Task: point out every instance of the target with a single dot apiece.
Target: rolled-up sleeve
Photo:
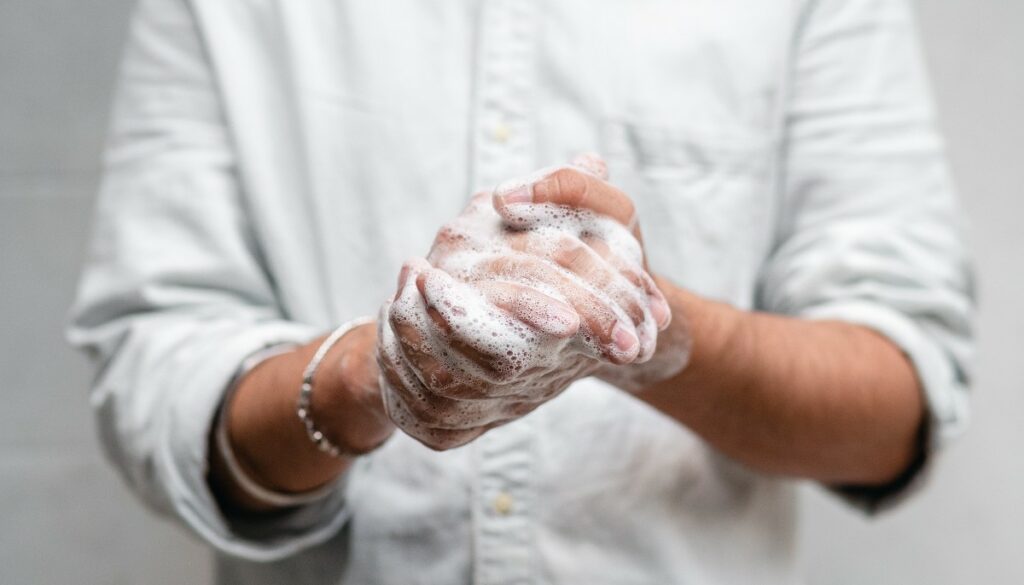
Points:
(175, 294)
(871, 231)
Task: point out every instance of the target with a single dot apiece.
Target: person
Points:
(762, 281)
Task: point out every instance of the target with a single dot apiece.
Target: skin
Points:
(827, 401)
(448, 386)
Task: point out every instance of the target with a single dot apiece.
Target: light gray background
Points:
(66, 518)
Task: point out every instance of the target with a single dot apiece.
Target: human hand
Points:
(512, 306)
(567, 187)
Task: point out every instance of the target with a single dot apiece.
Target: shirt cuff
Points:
(944, 393)
(182, 460)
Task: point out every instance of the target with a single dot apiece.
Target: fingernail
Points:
(625, 340)
(515, 193)
(660, 311)
(421, 284)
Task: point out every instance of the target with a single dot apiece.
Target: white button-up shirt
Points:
(273, 162)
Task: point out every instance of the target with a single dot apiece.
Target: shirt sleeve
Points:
(870, 227)
(175, 293)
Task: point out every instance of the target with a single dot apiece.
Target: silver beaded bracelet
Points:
(251, 487)
(306, 393)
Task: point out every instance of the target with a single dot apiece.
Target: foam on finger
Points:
(514, 336)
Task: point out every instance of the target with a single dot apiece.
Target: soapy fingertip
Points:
(626, 343)
(660, 311)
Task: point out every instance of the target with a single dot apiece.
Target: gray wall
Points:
(968, 526)
(65, 517)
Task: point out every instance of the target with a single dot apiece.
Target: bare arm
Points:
(269, 440)
(825, 400)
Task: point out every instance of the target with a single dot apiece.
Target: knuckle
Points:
(439, 321)
(633, 278)
(397, 321)
(504, 373)
(629, 207)
(602, 322)
(468, 389)
(569, 187)
(635, 311)
(427, 411)
(412, 353)
(402, 334)
(437, 378)
(598, 245)
(496, 370)
(518, 241)
(572, 254)
(392, 378)
(449, 235)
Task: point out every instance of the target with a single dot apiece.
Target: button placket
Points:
(503, 148)
(502, 137)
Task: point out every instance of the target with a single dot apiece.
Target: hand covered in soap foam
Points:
(515, 302)
(591, 192)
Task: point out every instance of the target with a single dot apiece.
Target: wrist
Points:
(716, 331)
(674, 352)
(347, 403)
(269, 440)
(710, 333)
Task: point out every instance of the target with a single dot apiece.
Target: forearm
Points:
(828, 401)
(270, 441)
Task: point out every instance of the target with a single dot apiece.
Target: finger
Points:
(641, 282)
(583, 260)
(419, 352)
(590, 258)
(407, 331)
(493, 346)
(410, 405)
(569, 187)
(636, 275)
(455, 371)
(423, 341)
(394, 367)
(395, 378)
(410, 424)
(441, 412)
(659, 304)
(413, 423)
(464, 230)
(410, 267)
(542, 312)
(613, 278)
(608, 334)
(442, 376)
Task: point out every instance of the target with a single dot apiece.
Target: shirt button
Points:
(503, 503)
(501, 133)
